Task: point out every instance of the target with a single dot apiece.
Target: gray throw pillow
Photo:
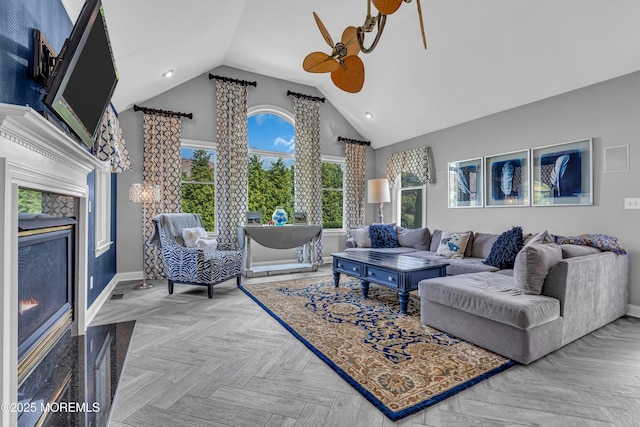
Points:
(361, 237)
(539, 239)
(532, 265)
(482, 244)
(419, 238)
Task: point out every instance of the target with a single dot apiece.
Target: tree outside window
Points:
(198, 184)
(411, 201)
(332, 194)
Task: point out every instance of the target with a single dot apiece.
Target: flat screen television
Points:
(85, 75)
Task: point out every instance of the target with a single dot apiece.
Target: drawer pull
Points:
(355, 269)
(390, 279)
(371, 273)
(339, 265)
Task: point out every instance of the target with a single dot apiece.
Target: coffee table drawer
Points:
(380, 275)
(348, 267)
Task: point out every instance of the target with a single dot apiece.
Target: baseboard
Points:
(102, 298)
(129, 275)
(633, 310)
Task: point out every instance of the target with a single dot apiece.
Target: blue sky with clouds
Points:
(271, 132)
(266, 132)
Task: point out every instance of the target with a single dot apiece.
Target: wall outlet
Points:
(91, 282)
(631, 203)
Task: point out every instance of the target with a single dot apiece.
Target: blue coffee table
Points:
(399, 272)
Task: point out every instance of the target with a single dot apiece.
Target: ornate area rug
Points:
(398, 364)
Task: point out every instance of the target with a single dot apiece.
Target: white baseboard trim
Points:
(633, 310)
(102, 298)
(129, 275)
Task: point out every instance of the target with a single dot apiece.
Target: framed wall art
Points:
(562, 174)
(254, 218)
(465, 183)
(300, 218)
(507, 181)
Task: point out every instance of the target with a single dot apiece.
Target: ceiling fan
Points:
(346, 68)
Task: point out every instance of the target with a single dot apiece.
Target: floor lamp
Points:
(378, 192)
(144, 193)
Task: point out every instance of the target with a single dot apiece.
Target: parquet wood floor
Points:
(196, 362)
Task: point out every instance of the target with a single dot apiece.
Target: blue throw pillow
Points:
(506, 247)
(383, 236)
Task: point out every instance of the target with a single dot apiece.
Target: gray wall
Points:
(197, 96)
(608, 112)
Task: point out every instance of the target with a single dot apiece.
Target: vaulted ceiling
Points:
(483, 56)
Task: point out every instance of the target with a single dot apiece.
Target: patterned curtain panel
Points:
(416, 161)
(308, 169)
(162, 166)
(232, 177)
(355, 163)
(110, 145)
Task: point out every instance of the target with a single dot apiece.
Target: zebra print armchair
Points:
(192, 266)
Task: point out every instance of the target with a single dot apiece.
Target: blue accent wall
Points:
(18, 19)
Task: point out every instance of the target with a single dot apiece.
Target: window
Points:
(411, 202)
(332, 193)
(102, 209)
(198, 180)
(271, 162)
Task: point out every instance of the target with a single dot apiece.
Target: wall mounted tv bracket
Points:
(44, 58)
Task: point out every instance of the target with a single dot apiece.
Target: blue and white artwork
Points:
(562, 173)
(506, 179)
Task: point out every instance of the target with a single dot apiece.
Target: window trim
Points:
(326, 158)
(198, 144)
(396, 197)
(102, 209)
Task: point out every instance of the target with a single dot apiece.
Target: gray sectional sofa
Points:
(555, 294)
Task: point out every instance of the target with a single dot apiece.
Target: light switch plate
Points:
(631, 203)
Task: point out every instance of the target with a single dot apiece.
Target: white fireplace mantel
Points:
(36, 154)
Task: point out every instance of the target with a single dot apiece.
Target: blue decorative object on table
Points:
(280, 216)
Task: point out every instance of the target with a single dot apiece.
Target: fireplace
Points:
(35, 154)
(45, 286)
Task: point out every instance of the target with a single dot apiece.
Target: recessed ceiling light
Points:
(167, 73)
(368, 115)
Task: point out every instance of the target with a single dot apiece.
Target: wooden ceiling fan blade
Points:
(323, 31)
(350, 40)
(387, 7)
(319, 62)
(424, 38)
(350, 75)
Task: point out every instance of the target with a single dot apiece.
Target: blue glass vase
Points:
(279, 216)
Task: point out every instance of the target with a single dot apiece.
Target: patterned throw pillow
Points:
(505, 249)
(453, 245)
(383, 236)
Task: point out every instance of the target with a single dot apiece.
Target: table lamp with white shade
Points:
(378, 192)
(144, 193)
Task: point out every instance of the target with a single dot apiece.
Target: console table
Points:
(398, 272)
(280, 237)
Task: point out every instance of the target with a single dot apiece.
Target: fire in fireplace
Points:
(45, 283)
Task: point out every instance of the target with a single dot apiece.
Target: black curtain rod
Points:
(162, 112)
(309, 97)
(230, 80)
(354, 141)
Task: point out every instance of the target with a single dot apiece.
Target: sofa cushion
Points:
(361, 237)
(453, 245)
(419, 238)
(539, 238)
(383, 236)
(505, 249)
(398, 251)
(456, 266)
(482, 243)
(492, 296)
(532, 266)
(570, 251)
